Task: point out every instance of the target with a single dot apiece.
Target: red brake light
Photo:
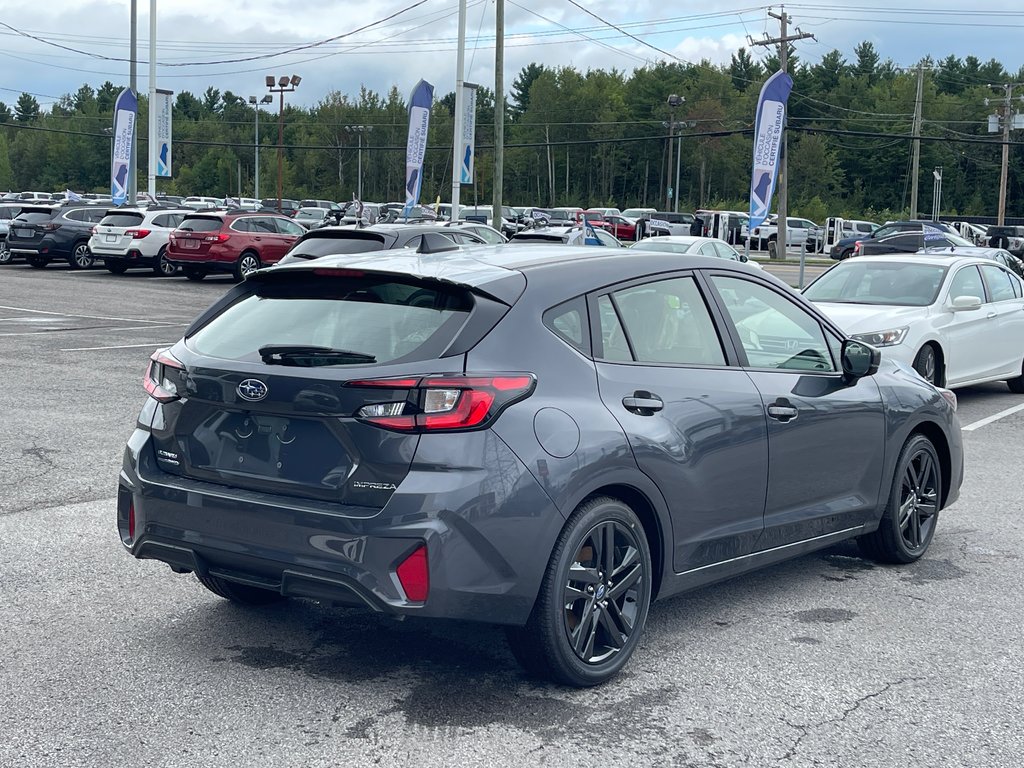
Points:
(137, 234)
(443, 403)
(856, 247)
(414, 575)
(163, 376)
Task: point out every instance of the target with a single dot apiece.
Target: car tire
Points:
(927, 363)
(912, 510)
(164, 268)
(5, 252)
(81, 257)
(243, 594)
(37, 262)
(193, 273)
(247, 263)
(584, 627)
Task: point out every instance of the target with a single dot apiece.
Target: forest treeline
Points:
(572, 138)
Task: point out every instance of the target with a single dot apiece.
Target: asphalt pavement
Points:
(108, 661)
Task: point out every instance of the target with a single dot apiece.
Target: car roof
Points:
(936, 259)
(681, 239)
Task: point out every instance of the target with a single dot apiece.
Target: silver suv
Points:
(131, 238)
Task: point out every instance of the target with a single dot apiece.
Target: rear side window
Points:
(122, 220)
(568, 322)
(386, 318)
(200, 224)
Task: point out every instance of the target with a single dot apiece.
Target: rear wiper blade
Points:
(294, 354)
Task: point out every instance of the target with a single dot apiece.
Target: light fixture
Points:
(282, 81)
(270, 81)
(252, 99)
(266, 99)
(296, 80)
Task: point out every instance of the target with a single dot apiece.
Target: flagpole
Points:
(153, 148)
(460, 67)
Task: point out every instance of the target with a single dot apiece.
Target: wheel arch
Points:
(937, 437)
(650, 518)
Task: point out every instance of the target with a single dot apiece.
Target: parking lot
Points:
(108, 661)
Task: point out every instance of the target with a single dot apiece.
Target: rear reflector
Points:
(414, 575)
(436, 403)
(131, 521)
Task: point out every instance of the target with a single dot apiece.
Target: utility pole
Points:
(783, 41)
(499, 111)
(674, 101)
(1010, 122)
(133, 83)
(915, 165)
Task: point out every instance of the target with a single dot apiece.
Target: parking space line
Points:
(154, 345)
(97, 328)
(86, 317)
(994, 417)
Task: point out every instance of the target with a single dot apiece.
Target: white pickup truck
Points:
(768, 231)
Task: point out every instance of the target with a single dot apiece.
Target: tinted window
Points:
(568, 321)
(315, 247)
(386, 318)
(288, 227)
(34, 218)
(668, 322)
(998, 282)
(966, 282)
(889, 283)
(774, 332)
(613, 339)
(242, 225)
(708, 249)
(122, 220)
(201, 224)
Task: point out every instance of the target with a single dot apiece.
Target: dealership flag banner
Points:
(125, 110)
(163, 133)
(771, 119)
(416, 148)
(468, 132)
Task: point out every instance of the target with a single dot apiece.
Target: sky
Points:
(385, 43)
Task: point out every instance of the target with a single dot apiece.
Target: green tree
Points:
(27, 109)
(520, 99)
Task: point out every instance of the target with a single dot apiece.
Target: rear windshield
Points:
(34, 218)
(200, 224)
(388, 318)
(315, 247)
(122, 220)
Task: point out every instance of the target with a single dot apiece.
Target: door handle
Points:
(782, 410)
(643, 403)
(991, 315)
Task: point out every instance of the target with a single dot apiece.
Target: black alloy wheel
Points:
(163, 267)
(926, 363)
(910, 518)
(593, 602)
(5, 252)
(81, 256)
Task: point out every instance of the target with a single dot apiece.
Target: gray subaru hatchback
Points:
(542, 437)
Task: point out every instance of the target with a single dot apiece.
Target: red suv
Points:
(237, 242)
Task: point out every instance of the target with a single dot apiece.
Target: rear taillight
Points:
(50, 227)
(219, 238)
(443, 403)
(163, 377)
(414, 575)
(92, 231)
(137, 234)
(856, 247)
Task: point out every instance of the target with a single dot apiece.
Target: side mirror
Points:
(859, 359)
(965, 303)
(744, 259)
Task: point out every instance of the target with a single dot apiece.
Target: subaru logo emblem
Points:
(252, 390)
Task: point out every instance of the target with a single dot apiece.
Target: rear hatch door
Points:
(196, 234)
(114, 232)
(260, 410)
(30, 226)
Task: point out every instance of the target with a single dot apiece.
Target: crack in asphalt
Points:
(806, 729)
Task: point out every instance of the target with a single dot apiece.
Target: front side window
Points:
(774, 332)
(665, 322)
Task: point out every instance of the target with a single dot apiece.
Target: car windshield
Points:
(889, 283)
(315, 212)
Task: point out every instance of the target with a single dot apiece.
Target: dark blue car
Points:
(542, 437)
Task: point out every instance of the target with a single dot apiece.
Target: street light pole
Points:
(284, 84)
(256, 143)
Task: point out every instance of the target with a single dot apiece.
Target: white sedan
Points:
(957, 320)
(703, 246)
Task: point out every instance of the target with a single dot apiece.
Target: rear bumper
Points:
(489, 531)
(210, 261)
